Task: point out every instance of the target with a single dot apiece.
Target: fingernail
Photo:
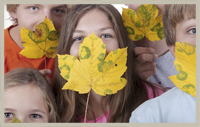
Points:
(156, 56)
(152, 50)
(49, 71)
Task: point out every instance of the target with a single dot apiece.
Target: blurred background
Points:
(7, 21)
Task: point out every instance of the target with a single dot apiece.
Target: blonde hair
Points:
(174, 14)
(22, 76)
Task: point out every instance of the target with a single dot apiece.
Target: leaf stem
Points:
(45, 61)
(147, 42)
(45, 53)
(86, 107)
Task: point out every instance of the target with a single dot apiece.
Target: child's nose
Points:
(48, 15)
(22, 118)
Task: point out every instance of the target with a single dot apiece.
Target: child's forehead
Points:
(29, 95)
(21, 86)
(30, 89)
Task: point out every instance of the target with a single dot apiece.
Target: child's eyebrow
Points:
(60, 6)
(78, 31)
(101, 29)
(38, 110)
(105, 28)
(9, 109)
(36, 4)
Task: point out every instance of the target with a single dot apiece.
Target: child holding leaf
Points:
(154, 60)
(91, 33)
(28, 97)
(177, 105)
(28, 16)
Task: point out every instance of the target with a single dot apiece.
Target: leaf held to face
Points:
(41, 42)
(185, 64)
(144, 22)
(15, 120)
(94, 72)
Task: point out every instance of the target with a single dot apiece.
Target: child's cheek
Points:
(75, 50)
(111, 47)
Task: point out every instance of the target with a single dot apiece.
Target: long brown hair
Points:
(23, 76)
(71, 105)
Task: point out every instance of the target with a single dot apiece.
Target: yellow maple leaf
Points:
(185, 64)
(92, 71)
(41, 42)
(143, 23)
(15, 120)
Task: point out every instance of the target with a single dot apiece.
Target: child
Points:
(158, 71)
(28, 16)
(104, 21)
(28, 96)
(174, 106)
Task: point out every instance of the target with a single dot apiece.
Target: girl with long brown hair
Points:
(106, 23)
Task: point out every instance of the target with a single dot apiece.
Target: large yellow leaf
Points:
(15, 120)
(92, 71)
(41, 42)
(143, 23)
(185, 64)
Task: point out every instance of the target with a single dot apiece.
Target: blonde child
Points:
(28, 16)
(104, 21)
(174, 106)
(28, 96)
(155, 63)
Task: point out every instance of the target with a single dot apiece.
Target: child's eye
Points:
(8, 115)
(78, 39)
(35, 116)
(33, 8)
(106, 36)
(192, 31)
(59, 11)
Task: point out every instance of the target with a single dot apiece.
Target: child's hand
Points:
(145, 65)
(46, 72)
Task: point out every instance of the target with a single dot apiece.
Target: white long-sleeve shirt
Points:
(173, 106)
